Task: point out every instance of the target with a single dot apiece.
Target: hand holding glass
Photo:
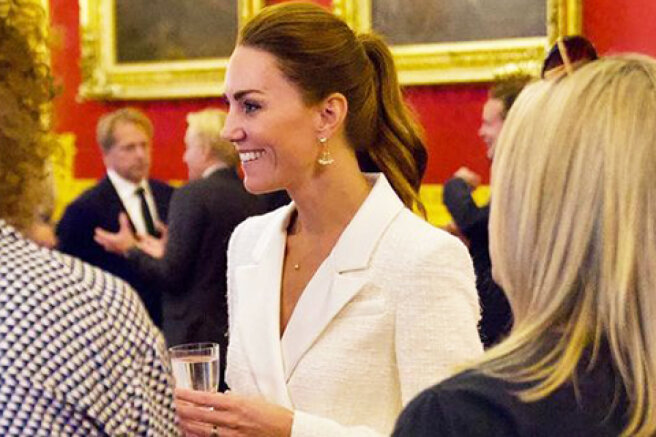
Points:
(196, 366)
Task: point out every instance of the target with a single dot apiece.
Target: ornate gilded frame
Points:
(104, 78)
(478, 61)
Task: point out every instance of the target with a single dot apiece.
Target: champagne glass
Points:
(196, 366)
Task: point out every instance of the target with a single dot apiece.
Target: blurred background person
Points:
(344, 304)
(42, 229)
(125, 138)
(189, 266)
(42, 232)
(79, 356)
(573, 244)
(471, 221)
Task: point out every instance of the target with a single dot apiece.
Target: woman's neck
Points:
(327, 204)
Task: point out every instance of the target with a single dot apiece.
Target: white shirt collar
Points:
(212, 168)
(126, 191)
(124, 187)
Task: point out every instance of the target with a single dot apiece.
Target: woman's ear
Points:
(331, 115)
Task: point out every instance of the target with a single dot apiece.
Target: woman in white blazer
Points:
(344, 304)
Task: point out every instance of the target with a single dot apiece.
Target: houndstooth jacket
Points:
(78, 354)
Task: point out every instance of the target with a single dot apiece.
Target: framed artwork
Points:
(448, 41)
(150, 49)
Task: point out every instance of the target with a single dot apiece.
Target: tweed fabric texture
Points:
(411, 320)
(79, 355)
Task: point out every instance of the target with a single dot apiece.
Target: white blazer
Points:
(387, 314)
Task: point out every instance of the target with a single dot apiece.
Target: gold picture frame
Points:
(472, 61)
(106, 79)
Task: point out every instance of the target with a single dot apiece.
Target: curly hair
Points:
(26, 89)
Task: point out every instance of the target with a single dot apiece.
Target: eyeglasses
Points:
(567, 54)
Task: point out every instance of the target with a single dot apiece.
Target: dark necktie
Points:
(145, 212)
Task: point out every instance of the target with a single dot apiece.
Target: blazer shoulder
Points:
(220, 196)
(188, 189)
(413, 231)
(159, 184)
(466, 404)
(191, 202)
(228, 182)
(414, 245)
(160, 188)
(209, 184)
(424, 248)
(101, 192)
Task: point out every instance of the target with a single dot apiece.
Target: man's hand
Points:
(117, 242)
(453, 229)
(152, 246)
(472, 179)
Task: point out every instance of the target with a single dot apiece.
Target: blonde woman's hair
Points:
(207, 124)
(26, 91)
(573, 232)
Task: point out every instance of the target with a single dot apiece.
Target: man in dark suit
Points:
(471, 220)
(189, 262)
(125, 139)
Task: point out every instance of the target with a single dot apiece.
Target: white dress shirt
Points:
(127, 192)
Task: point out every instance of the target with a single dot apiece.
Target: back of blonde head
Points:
(207, 124)
(573, 230)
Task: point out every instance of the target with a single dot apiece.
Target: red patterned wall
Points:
(450, 114)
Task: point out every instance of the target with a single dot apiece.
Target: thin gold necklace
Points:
(293, 229)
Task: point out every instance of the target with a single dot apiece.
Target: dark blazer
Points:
(99, 207)
(496, 316)
(192, 273)
(472, 404)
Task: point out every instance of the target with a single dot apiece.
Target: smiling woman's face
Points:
(273, 129)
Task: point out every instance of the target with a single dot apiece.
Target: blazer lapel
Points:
(325, 295)
(113, 204)
(342, 275)
(259, 310)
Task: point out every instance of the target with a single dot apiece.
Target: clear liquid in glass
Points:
(196, 372)
(196, 366)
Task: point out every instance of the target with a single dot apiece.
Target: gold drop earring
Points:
(326, 158)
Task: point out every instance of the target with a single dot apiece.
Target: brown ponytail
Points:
(319, 53)
(398, 149)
